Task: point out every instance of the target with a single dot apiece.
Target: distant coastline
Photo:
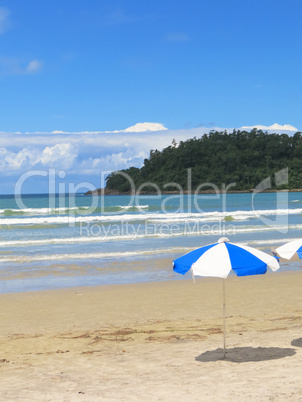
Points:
(104, 191)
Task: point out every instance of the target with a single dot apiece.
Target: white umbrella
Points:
(219, 259)
(290, 249)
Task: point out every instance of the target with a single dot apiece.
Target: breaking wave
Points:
(73, 211)
(140, 232)
(149, 217)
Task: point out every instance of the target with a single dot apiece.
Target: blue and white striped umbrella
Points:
(219, 259)
(290, 249)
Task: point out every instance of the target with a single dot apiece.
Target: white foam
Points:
(272, 241)
(42, 211)
(81, 256)
(153, 232)
(165, 218)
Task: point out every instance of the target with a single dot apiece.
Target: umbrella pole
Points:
(223, 286)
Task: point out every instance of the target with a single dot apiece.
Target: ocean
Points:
(55, 241)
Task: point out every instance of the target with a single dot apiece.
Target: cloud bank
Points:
(274, 127)
(85, 155)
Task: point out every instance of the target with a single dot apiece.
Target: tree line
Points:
(241, 157)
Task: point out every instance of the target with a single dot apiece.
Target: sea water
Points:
(52, 241)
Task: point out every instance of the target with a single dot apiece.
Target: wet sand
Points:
(155, 341)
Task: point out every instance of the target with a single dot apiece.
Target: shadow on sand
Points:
(246, 354)
(297, 342)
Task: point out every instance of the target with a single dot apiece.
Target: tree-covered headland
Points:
(244, 158)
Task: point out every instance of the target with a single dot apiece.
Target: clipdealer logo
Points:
(185, 200)
(131, 231)
(280, 222)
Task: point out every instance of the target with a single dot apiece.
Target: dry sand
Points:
(155, 342)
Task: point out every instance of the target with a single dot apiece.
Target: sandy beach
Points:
(155, 342)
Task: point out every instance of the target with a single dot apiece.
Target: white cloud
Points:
(33, 66)
(273, 127)
(88, 153)
(61, 154)
(4, 19)
(13, 66)
(114, 161)
(136, 128)
(14, 161)
(141, 127)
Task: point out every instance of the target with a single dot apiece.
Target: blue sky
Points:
(77, 66)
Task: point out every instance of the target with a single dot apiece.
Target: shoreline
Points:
(119, 304)
(101, 191)
(104, 191)
(145, 288)
(56, 276)
(161, 272)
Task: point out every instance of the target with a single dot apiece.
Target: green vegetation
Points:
(244, 158)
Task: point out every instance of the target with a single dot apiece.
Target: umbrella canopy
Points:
(290, 249)
(220, 258)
